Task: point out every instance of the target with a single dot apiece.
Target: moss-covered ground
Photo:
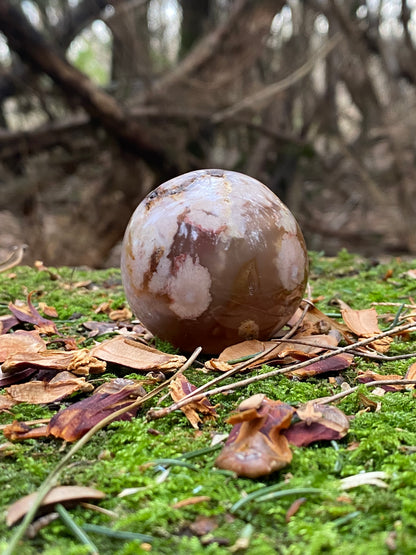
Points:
(365, 520)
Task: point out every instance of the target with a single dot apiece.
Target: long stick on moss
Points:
(52, 478)
(201, 392)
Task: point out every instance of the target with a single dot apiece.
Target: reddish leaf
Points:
(17, 431)
(179, 388)
(30, 315)
(332, 364)
(7, 322)
(256, 446)
(15, 377)
(73, 422)
(318, 422)
(370, 376)
(294, 507)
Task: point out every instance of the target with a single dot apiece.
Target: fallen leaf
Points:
(30, 315)
(332, 364)
(179, 388)
(318, 422)
(6, 403)
(256, 446)
(411, 372)
(15, 377)
(364, 324)
(17, 431)
(73, 422)
(308, 347)
(371, 376)
(20, 341)
(80, 362)
(40, 392)
(48, 310)
(120, 315)
(61, 494)
(133, 354)
(7, 322)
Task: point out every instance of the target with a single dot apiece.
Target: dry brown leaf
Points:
(6, 403)
(364, 324)
(179, 388)
(80, 362)
(310, 346)
(62, 494)
(120, 315)
(40, 392)
(133, 354)
(256, 446)
(48, 310)
(323, 323)
(20, 341)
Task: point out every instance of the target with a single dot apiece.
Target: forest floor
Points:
(173, 494)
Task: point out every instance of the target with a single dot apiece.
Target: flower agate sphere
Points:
(211, 258)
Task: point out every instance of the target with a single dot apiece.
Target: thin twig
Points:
(51, 479)
(197, 394)
(271, 90)
(364, 354)
(342, 394)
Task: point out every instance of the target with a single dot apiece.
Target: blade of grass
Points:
(52, 478)
(75, 529)
(119, 534)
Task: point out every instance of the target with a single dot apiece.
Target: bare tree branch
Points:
(34, 49)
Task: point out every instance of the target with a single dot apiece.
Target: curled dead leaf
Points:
(371, 376)
(80, 361)
(317, 422)
(256, 446)
(179, 388)
(30, 315)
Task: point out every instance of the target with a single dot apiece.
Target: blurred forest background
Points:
(101, 101)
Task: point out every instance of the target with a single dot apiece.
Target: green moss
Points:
(365, 520)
